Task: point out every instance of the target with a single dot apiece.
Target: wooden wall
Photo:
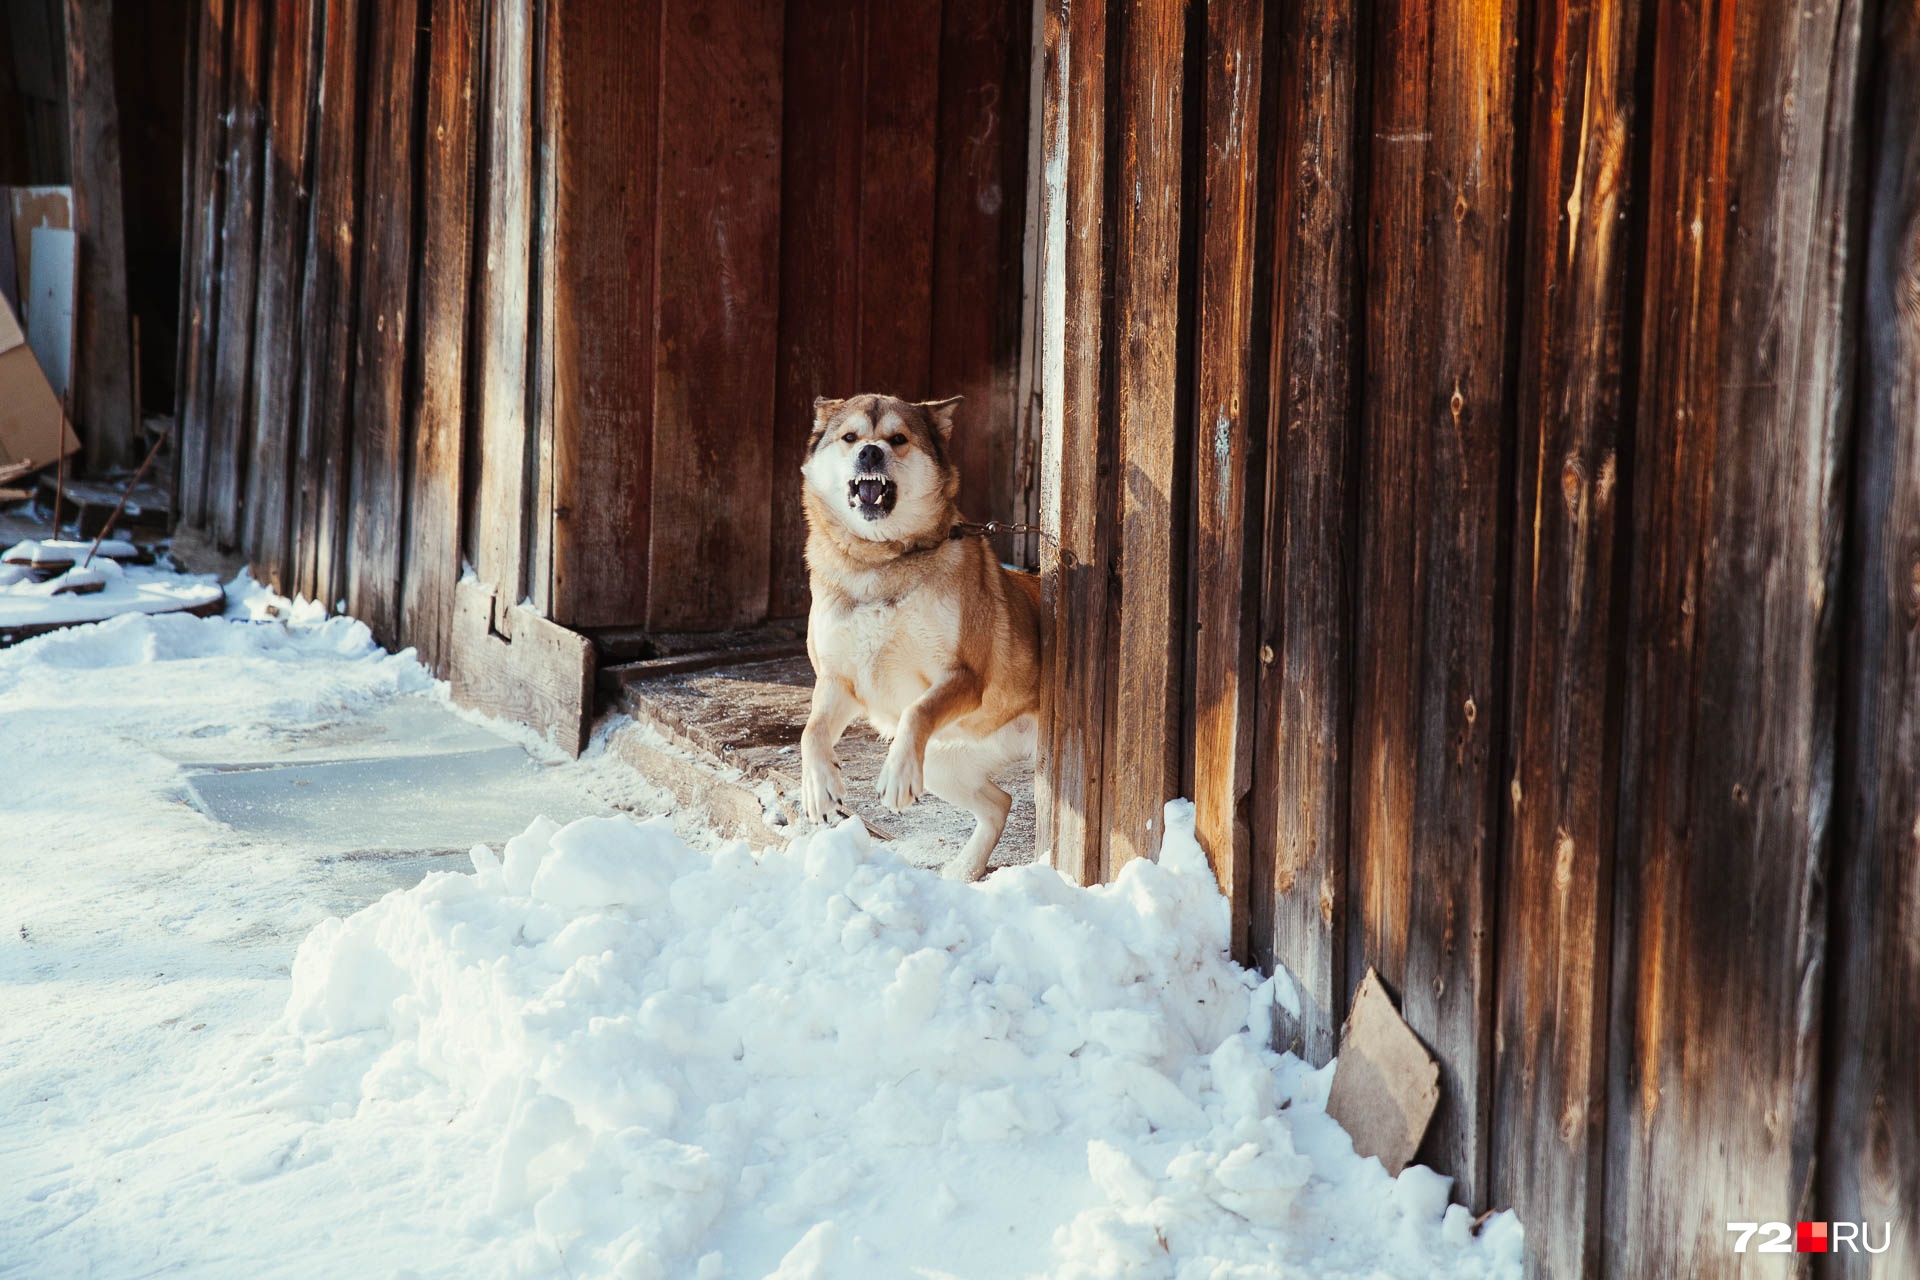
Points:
(1482, 465)
(546, 288)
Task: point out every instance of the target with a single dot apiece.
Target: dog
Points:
(915, 624)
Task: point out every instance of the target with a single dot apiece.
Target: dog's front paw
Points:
(901, 779)
(820, 790)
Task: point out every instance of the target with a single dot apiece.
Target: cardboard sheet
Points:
(33, 431)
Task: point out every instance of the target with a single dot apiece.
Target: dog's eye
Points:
(849, 438)
(898, 442)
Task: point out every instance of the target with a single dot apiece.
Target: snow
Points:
(614, 1047)
(123, 589)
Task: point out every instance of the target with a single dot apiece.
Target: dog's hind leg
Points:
(958, 775)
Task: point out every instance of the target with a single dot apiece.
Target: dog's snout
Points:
(871, 458)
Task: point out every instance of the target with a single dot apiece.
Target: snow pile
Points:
(820, 1062)
(110, 590)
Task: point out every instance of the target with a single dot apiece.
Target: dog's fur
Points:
(919, 630)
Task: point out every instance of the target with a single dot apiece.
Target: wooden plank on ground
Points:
(227, 428)
(1428, 682)
(278, 319)
(1549, 1099)
(979, 221)
(603, 118)
(1143, 736)
(511, 663)
(1728, 738)
(103, 340)
(718, 307)
(1299, 907)
(820, 186)
(1870, 1146)
(439, 393)
(1070, 775)
(385, 330)
(200, 259)
(504, 305)
(1232, 383)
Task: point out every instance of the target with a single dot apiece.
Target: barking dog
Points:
(914, 625)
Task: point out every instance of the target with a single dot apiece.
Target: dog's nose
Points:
(871, 458)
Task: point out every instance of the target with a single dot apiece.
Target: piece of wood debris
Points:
(1385, 1084)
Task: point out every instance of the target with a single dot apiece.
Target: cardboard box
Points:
(33, 431)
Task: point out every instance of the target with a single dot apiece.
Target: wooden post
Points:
(279, 321)
(1300, 910)
(1562, 763)
(1069, 783)
(1427, 682)
(1870, 1147)
(439, 392)
(1232, 382)
(104, 362)
(1143, 733)
(200, 259)
(1728, 737)
(227, 423)
(384, 331)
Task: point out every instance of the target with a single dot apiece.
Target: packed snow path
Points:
(612, 1047)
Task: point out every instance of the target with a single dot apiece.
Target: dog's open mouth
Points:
(872, 495)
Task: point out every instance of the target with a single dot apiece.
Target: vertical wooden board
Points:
(277, 321)
(200, 275)
(102, 341)
(1870, 1145)
(1069, 781)
(1231, 387)
(1143, 736)
(819, 327)
(439, 391)
(1299, 906)
(1549, 1100)
(896, 185)
(505, 307)
(329, 289)
(227, 428)
(603, 125)
(1728, 738)
(979, 219)
(1433, 504)
(718, 308)
(377, 493)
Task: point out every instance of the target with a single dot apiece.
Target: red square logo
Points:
(1812, 1237)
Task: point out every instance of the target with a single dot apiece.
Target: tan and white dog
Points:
(915, 625)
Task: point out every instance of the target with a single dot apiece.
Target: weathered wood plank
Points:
(819, 322)
(979, 219)
(1070, 778)
(1232, 382)
(200, 279)
(103, 339)
(1870, 1147)
(901, 71)
(1299, 908)
(511, 663)
(278, 320)
(329, 289)
(1143, 736)
(604, 118)
(227, 428)
(385, 330)
(504, 305)
(1549, 1100)
(718, 293)
(1728, 737)
(1427, 684)
(439, 393)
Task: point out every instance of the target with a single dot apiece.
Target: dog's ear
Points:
(941, 411)
(823, 411)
